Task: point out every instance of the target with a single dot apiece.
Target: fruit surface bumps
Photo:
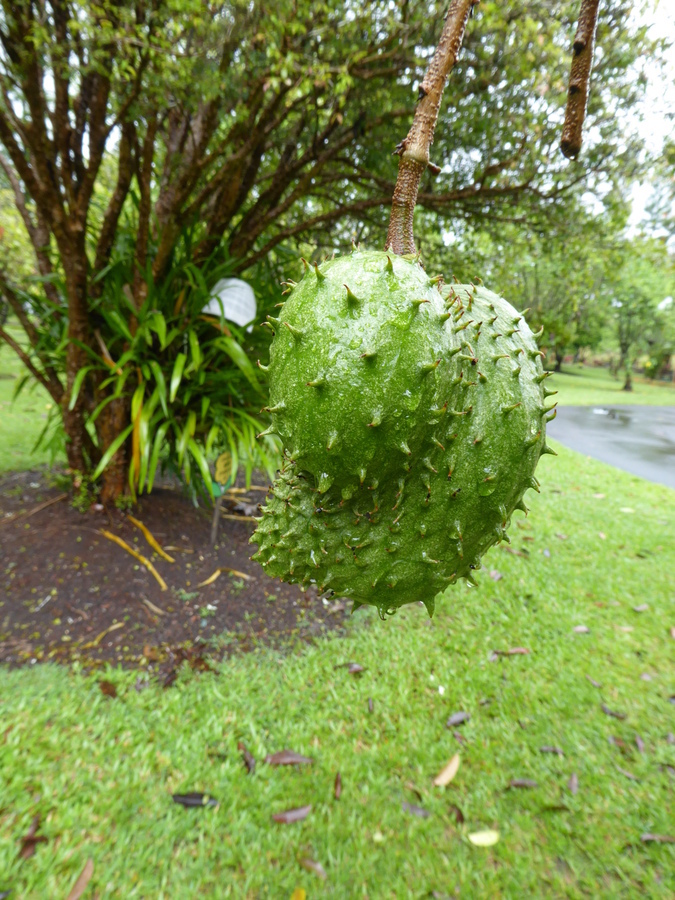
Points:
(412, 416)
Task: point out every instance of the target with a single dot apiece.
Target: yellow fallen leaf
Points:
(99, 637)
(151, 606)
(299, 894)
(239, 518)
(484, 838)
(215, 575)
(147, 534)
(146, 562)
(446, 774)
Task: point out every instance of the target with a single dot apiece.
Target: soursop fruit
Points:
(412, 416)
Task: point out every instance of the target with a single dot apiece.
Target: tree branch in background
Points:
(577, 94)
(26, 360)
(414, 149)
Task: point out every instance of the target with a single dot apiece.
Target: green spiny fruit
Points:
(412, 417)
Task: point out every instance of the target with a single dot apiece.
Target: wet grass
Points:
(593, 386)
(21, 420)
(598, 551)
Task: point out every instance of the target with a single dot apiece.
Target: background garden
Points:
(176, 724)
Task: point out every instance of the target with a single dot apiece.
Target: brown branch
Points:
(112, 214)
(577, 95)
(414, 149)
(358, 206)
(26, 360)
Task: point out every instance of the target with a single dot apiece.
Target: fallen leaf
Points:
(313, 866)
(31, 839)
(299, 894)
(194, 799)
(514, 651)
(337, 789)
(484, 838)
(108, 688)
(649, 838)
(457, 718)
(561, 537)
(522, 783)
(495, 575)
(555, 807)
(292, 815)
(99, 637)
(643, 607)
(556, 750)
(672, 632)
(610, 712)
(459, 737)
(355, 668)
(670, 738)
(602, 535)
(627, 509)
(80, 885)
(139, 556)
(581, 629)
(627, 774)
(639, 743)
(448, 772)
(150, 539)
(247, 756)
(287, 758)
(598, 496)
(370, 704)
(596, 684)
(218, 572)
(573, 783)
(458, 814)
(416, 810)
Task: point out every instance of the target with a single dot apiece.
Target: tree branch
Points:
(577, 94)
(414, 149)
(26, 360)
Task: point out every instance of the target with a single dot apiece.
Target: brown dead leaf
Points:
(313, 866)
(514, 651)
(495, 575)
(610, 712)
(292, 815)
(556, 750)
(596, 684)
(581, 629)
(522, 783)
(247, 756)
(31, 839)
(418, 811)
(448, 772)
(639, 743)
(337, 789)
(457, 814)
(573, 783)
(83, 880)
(108, 688)
(287, 758)
(458, 718)
(627, 774)
(649, 838)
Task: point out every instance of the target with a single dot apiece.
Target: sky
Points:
(659, 103)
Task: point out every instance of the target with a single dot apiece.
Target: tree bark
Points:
(577, 95)
(111, 423)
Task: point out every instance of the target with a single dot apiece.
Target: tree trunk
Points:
(110, 424)
(559, 357)
(628, 386)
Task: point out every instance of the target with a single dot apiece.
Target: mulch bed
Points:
(68, 593)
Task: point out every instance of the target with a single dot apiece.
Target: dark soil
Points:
(69, 593)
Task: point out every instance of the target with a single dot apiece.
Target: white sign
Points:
(233, 299)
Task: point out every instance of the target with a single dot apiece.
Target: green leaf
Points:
(195, 351)
(238, 356)
(111, 451)
(161, 384)
(158, 443)
(158, 324)
(176, 375)
(137, 401)
(200, 459)
(77, 385)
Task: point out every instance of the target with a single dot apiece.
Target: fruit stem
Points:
(577, 94)
(413, 151)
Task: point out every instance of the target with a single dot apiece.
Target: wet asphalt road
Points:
(638, 439)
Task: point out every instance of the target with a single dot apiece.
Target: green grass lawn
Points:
(21, 420)
(590, 386)
(598, 551)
